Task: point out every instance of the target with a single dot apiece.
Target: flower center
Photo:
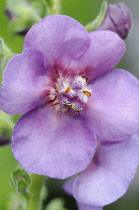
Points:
(71, 94)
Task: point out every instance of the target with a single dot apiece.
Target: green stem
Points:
(54, 7)
(34, 201)
(5, 54)
(97, 22)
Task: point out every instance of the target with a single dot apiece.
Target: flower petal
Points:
(59, 37)
(82, 206)
(105, 51)
(113, 108)
(108, 177)
(50, 144)
(23, 82)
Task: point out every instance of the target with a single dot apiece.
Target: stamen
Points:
(85, 78)
(67, 90)
(66, 104)
(77, 109)
(87, 93)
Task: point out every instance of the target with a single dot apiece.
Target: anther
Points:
(76, 109)
(67, 90)
(87, 93)
(85, 78)
(66, 104)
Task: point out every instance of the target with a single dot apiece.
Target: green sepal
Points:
(5, 54)
(99, 19)
(20, 180)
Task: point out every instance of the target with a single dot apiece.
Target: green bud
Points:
(6, 127)
(5, 54)
(23, 14)
(97, 22)
(56, 204)
(21, 181)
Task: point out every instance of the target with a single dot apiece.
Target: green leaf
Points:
(97, 22)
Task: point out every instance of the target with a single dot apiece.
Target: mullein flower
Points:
(64, 84)
(108, 176)
(118, 19)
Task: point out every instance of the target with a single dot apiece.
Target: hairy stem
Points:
(34, 201)
(54, 7)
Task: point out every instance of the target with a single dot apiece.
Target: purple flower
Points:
(64, 85)
(117, 19)
(108, 176)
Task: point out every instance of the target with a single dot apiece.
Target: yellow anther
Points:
(67, 90)
(66, 104)
(77, 109)
(87, 93)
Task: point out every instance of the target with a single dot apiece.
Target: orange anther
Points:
(85, 78)
(67, 90)
(87, 93)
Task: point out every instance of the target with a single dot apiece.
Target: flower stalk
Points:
(53, 7)
(97, 22)
(34, 202)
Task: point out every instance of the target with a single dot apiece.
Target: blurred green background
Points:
(84, 11)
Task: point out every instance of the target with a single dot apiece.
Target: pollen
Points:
(67, 90)
(87, 93)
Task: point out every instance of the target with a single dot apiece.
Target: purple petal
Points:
(113, 108)
(110, 173)
(105, 51)
(50, 144)
(82, 206)
(23, 82)
(59, 37)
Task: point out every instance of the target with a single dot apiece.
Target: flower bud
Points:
(117, 19)
(22, 15)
